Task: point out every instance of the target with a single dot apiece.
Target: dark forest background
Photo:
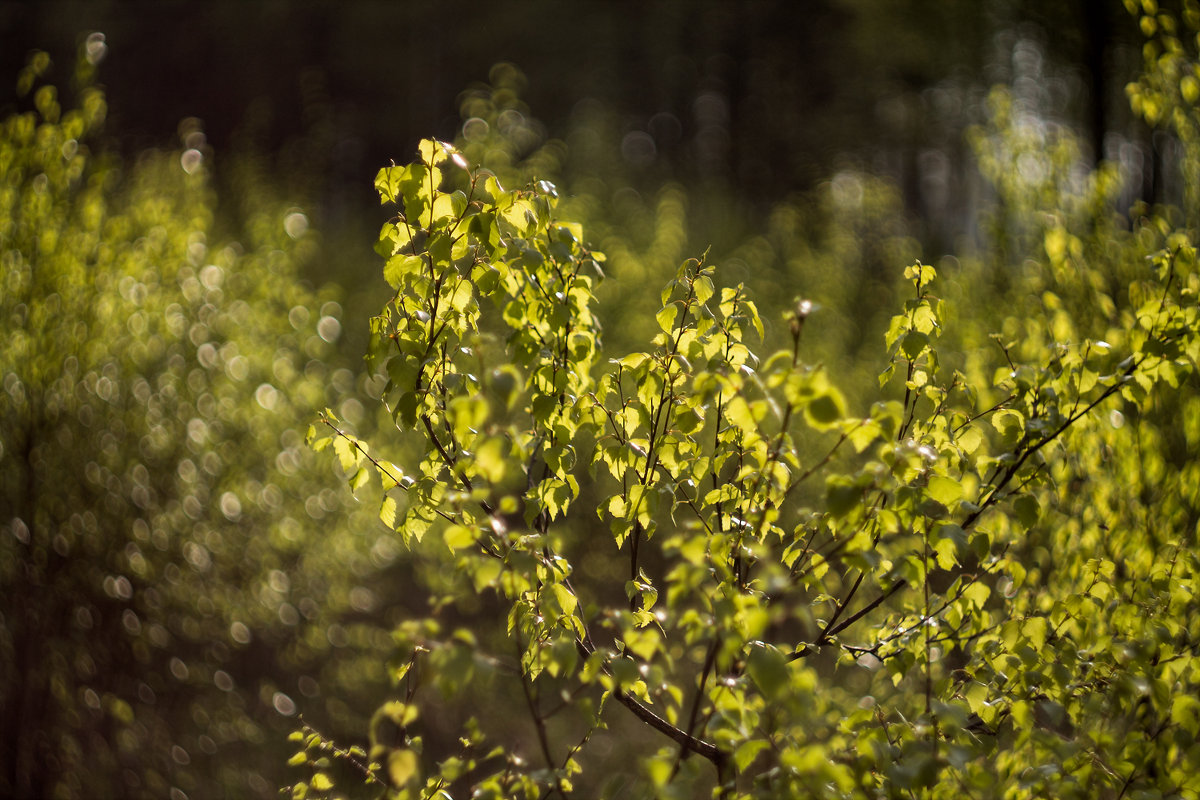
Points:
(757, 99)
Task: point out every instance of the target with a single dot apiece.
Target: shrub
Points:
(947, 592)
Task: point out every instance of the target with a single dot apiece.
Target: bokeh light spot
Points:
(295, 224)
(191, 160)
(240, 633)
(95, 48)
(329, 329)
(284, 704)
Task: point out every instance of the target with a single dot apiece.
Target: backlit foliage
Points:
(950, 591)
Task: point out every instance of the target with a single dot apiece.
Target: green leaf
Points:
(921, 274)
(913, 344)
(491, 459)
(741, 415)
(977, 594)
(633, 360)
(842, 495)
(751, 311)
(566, 600)
(1185, 712)
(387, 511)
(643, 502)
(617, 506)
(747, 751)
(486, 573)
(970, 439)
(768, 669)
(458, 537)
(1028, 510)
(862, 433)
(946, 491)
(432, 152)
(400, 266)
(348, 455)
(643, 643)
(387, 183)
(402, 766)
(666, 318)
(825, 410)
(946, 552)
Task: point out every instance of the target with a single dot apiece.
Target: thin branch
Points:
(809, 472)
(709, 660)
(378, 464)
(830, 631)
(539, 721)
(708, 750)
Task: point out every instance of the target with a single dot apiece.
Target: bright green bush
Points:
(937, 594)
(983, 584)
(177, 572)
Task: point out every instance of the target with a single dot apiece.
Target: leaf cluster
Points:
(813, 601)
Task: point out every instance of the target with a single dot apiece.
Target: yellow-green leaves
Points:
(400, 266)
(458, 537)
(351, 453)
(944, 490)
(666, 318)
(387, 511)
(402, 766)
(768, 669)
(387, 183)
(810, 391)
(814, 594)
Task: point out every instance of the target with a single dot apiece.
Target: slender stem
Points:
(708, 750)
(830, 631)
(709, 660)
(539, 722)
(926, 629)
(679, 736)
(378, 464)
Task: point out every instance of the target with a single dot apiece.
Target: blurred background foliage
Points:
(181, 576)
(178, 573)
